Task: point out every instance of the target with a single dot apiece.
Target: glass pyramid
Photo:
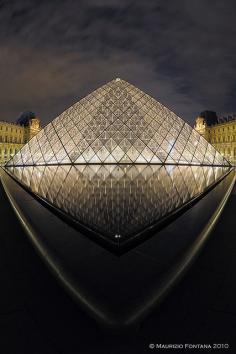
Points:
(117, 123)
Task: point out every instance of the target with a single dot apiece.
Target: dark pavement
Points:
(38, 317)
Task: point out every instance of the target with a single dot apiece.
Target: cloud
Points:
(53, 53)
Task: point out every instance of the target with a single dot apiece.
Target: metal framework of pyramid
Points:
(117, 123)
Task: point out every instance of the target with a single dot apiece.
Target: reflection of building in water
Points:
(220, 132)
(118, 199)
(14, 135)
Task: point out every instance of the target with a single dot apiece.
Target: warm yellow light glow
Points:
(118, 123)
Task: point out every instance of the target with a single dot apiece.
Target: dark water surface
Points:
(117, 202)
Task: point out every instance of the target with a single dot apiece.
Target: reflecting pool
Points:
(117, 204)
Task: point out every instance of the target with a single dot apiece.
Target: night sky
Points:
(52, 53)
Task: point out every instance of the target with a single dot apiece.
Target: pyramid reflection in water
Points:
(111, 164)
(114, 201)
(117, 123)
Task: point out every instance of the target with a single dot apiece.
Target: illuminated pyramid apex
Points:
(118, 123)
